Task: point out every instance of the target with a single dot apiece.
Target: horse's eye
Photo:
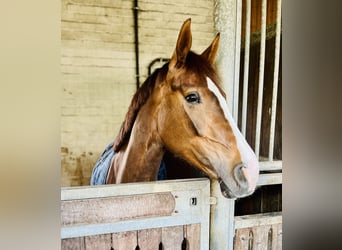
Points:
(193, 98)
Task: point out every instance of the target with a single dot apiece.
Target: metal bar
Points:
(246, 67)
(235, 112)
(261, 75)
(275, 81)
(221, 220)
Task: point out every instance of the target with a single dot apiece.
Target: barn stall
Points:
(102, 66)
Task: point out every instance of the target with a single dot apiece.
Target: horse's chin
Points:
(226, 192)
(229, 194)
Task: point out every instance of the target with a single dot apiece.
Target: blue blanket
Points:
(100, 170)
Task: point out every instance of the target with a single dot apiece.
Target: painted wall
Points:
(98, 67)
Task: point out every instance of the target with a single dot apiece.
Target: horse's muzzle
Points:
(241, 186)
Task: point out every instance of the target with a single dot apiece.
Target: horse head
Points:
(181, 108)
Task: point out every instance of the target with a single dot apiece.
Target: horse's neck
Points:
(140, 159)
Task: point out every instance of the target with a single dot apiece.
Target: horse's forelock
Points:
(201, 66)
(139, 99)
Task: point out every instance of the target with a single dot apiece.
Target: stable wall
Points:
(98, 67)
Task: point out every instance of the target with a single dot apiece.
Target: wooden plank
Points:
(270, 165)
(104, 3)
(125, 240)
(260, 237)
(270, 179)
(96, 242)
(105, 210)
(193, 236)
(85, 192)
(242, 239)
(149, 239)
(73, 244)
(277, 232)
(172, 237)
(135, 224)
(254, 220)
(271, 198)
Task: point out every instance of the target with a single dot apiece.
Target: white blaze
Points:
(246, 152)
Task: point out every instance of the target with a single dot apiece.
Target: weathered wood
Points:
(272, 199)
(184, 211)
(258, 231)
(277, 233)
(270, 179)
(255, 220)
(172, 237)
(193, 236)
(125, 240)
(270, 165)
(149, 239)
(242, 239)
(96, 242)
(73, 244)
(260, 237)
(265, 199)
(105, 210)
(89, 192)
(221, 220)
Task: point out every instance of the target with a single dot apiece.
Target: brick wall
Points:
(98, 67)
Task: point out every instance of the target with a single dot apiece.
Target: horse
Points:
(181, 110)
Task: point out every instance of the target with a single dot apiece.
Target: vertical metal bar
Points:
(246, 67)
(221, 220)
(261, 75)
(275, 81)
(237, 60)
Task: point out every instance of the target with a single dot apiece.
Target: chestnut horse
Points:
(181, 109)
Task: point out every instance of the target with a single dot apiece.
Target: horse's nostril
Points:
(240, 176)
(241, 165)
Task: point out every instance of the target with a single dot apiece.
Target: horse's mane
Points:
(194, 62)
(139, 99)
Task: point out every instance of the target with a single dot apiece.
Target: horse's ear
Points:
(210, 52)
(183, 45)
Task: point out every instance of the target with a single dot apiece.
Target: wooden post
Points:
(227, 20)
(221, 220)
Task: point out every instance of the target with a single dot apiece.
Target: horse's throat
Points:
(139, 161)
